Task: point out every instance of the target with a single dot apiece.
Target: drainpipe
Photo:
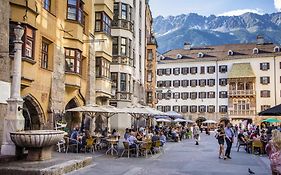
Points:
(275, 81)
(217, 89)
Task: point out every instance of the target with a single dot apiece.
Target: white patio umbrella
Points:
(179, 120)
(163, 120)
(210, 121)
(173, 114)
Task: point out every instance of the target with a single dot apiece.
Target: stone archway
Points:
(33, 113)
(72, 118)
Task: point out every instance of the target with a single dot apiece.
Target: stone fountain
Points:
(38, 142)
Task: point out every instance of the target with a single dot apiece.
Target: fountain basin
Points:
(38, 142)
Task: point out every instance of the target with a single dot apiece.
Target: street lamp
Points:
(14, 120)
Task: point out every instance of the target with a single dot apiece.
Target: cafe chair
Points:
(146, 148)
(158, 146)
(127, 149)
(241, 143)
(68, 145)
(61, 146)
(257, 144)
(89, 145)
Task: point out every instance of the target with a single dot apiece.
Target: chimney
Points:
(187, 46)
(260, 40)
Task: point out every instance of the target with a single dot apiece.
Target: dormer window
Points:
(255, 51)
(179, 56)
(230, 53)
(162, 57)
(200, 55)
(276, 49)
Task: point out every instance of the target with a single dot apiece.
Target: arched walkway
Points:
(72, 118)
(33, 113)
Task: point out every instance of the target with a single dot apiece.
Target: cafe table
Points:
(111, 148)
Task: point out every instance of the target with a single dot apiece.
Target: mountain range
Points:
(173, 31)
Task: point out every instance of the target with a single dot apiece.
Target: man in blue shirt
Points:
(229, 135)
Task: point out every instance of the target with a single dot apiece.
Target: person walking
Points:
(221, 137)
(196, 132)
(229, 135)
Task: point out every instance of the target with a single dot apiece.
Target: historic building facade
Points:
(150, 62)
(128, 62)
(234, 81)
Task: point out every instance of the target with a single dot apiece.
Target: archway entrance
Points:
(72, 118)
(32, 114)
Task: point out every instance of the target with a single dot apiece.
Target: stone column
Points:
(14, 121)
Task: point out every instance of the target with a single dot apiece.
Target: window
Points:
(211, 82)
(193, 83)
(202, 70)
(114, 79)
(211, 69)
(176, 108)
(184, 95)
(276, 49)
(149, 76)
(160, 72)
(124, 11)
(150, 54)
(123, 46)
(102, 67)
(193, 95)
(200, 55)
(149, 97)
(211, 108)
(193, 70)
(264, 66)
(168, 95)
(265, 93)
(160, 108)
(193, 109)
(184, 83)
(223, 108)
(202, 108)
(230, 53)
(223, 68)
(184, 109)
(116, 10)
(75, 10)
(176, 95)
(223, 94)
(115, 45)
(176, 83)
(160, 96)
(103, 23)
(176, 71)
(184, 70)
(265, 80)
(202, 83)
(223, 81)
(255, 51)
(211, 94)
(44, 54)
(73, 58)
(168, 83)
(241, 105)
(168, 71)
(167, 108)
(264, 107)
(123, 82)
(47, 5)
(202, 95)
(130, 48)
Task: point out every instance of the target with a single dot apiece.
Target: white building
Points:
(127, 68)
(234, 81)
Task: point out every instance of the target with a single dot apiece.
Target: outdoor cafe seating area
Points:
(138, 141)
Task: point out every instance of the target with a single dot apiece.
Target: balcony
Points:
(123, 24)
(242, 112)
(241, 93)
(122, 60)
(72, 80)
(103, 87)
(123, 96)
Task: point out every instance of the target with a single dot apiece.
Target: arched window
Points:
(200, 55)
(230, 53)
(276, 49)
(179, 56)
(255, 51)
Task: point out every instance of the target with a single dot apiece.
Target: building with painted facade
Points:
(234, 81)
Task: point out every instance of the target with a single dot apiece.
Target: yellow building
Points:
(150, 62)
(63, 52)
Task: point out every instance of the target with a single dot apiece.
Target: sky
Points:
(213, 7)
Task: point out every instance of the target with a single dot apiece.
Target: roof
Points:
(220, 52)
(241, 70)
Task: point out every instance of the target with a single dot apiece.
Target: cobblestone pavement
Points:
(183, 158)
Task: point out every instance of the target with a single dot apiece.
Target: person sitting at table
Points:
(241, 137)
(74, 138)
(132, 140)
(253, 135)
(162, 138)
(175, 135)
(139, 136)
(127, 133)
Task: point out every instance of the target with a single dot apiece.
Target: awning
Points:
(274, 111)
(241, 70)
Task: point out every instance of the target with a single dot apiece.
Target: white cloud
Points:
(242, 11)
(277, 4)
